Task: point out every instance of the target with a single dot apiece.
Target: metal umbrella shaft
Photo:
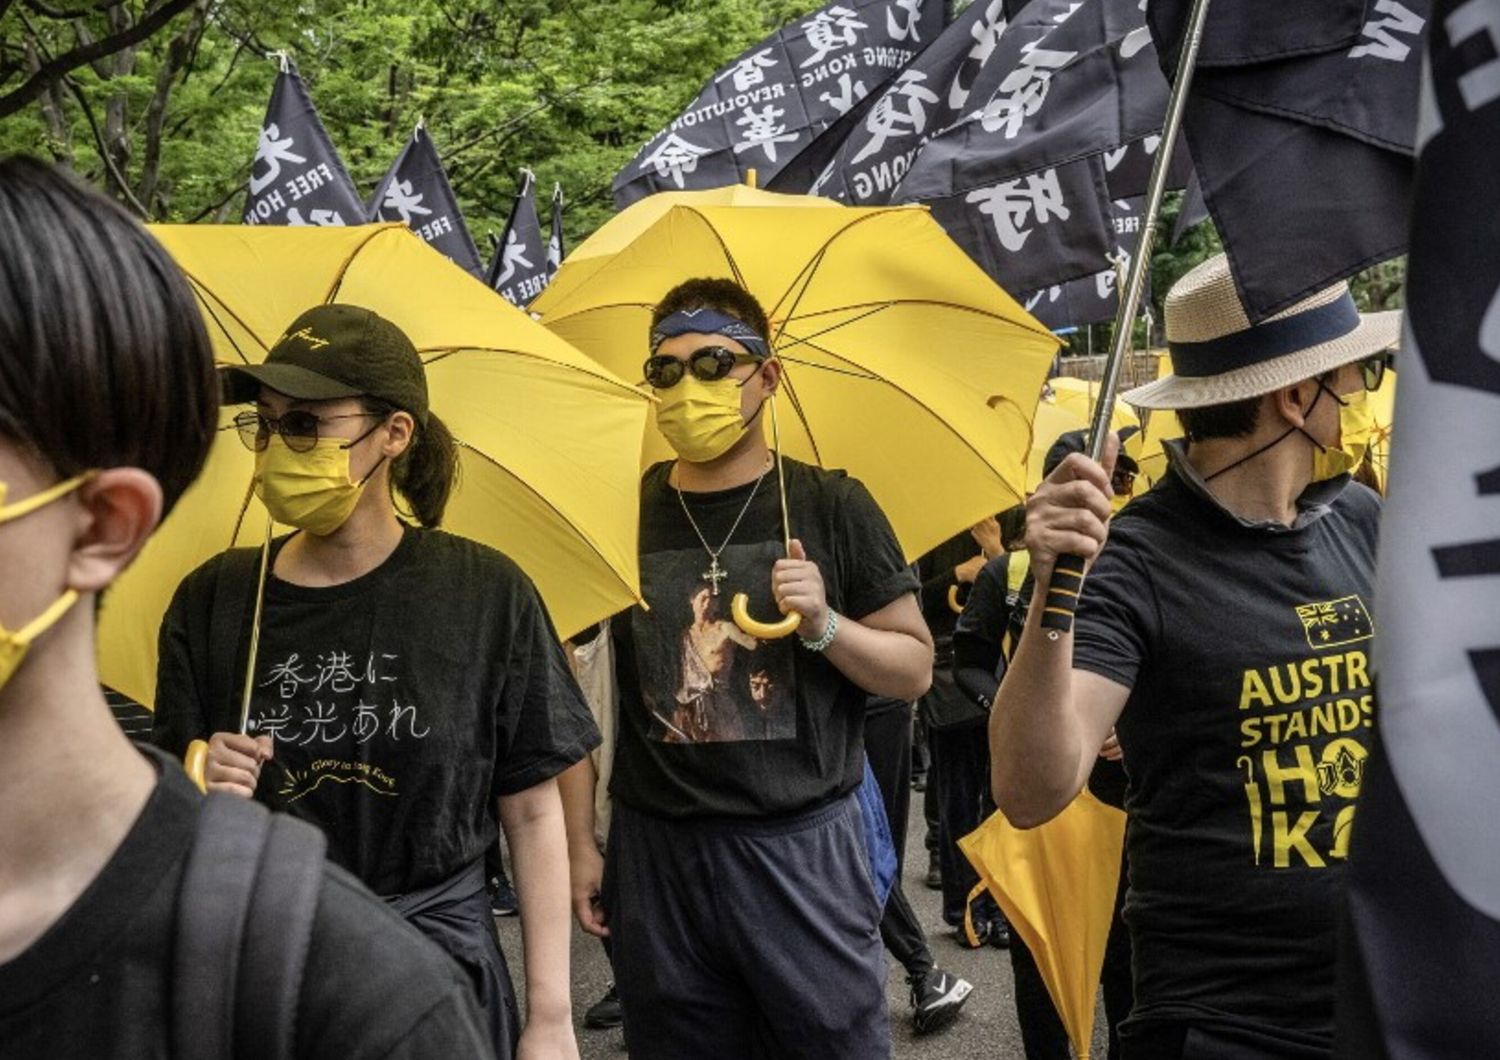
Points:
(1067, 574)
(260, 601)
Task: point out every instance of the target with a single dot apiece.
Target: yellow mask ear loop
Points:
(42, 622)
(45, 497)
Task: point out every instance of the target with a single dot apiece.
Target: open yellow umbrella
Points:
(905, 364)
(548, 439)
(1057, 885)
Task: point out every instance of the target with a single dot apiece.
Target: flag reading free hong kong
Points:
(297, 177)
(776, 97)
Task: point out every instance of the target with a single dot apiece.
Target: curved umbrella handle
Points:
(195, 762)
(739, 608)
(954, 604)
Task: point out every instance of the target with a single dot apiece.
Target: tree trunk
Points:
(116, 111)
(179, 53)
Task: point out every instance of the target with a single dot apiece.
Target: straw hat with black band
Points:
(1219, 357)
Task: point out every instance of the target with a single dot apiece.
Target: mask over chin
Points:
(1356, 425)
(15, 643)
(312, 491)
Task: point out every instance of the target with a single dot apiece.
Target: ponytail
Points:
(427, 471)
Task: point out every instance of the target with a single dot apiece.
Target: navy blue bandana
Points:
(708, 321)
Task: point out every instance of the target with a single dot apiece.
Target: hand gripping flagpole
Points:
(1067, 573)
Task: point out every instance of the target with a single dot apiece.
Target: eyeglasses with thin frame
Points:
(298, 429)
(710, 363)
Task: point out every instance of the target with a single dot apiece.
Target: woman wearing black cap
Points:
(406, 679)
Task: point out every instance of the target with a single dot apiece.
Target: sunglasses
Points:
(709, 364)
(298, 428)
(1372, 369)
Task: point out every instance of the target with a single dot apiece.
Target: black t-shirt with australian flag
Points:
(402, 703)
(1246, 650)
(714, 722)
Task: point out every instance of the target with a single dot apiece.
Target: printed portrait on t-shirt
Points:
(703, 679)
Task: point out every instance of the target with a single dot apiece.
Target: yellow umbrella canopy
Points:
(1067, 404)
(1057, 886)
(548, 439)
(905, 364)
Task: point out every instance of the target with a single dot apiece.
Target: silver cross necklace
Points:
(715, 573)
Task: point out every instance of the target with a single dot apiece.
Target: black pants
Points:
(746, 939)
(888, 747)
(961, 775)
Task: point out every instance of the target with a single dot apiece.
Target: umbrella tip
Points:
(750, 178)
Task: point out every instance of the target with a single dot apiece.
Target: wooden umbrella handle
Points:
(195, 762)
(954, 604)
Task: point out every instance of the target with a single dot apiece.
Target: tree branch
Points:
(178, 53)
(59, 67)
(109, 162)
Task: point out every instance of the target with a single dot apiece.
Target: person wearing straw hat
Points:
(738, 894)
(1224, 630)
(409, 687)
(124, 892)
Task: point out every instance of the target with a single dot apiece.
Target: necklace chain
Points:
(716, 574)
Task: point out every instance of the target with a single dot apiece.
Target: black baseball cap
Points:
(337, 351)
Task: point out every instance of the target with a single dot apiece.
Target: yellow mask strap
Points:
(44, 621)
(39, 500)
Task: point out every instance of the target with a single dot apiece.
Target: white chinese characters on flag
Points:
(296, 177)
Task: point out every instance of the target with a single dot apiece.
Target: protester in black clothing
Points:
(936, 996)
(738, 893)
(1224, 629)
(409, 686)
(959, 773)
(987, 632)
(108, 405)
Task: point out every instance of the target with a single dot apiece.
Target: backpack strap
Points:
(229, 619)
(244, 922)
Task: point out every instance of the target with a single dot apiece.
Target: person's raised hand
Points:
(798, 585)
(986, 534)
(968, 570)
(1069, 512)
(234, 762)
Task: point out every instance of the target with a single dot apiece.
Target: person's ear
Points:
(1293, 403)
(399, 429)
(770, 375)
(117, 511)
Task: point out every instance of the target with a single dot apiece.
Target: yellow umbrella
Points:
(1067, 404)
(1057, 886)
(1383, 411)
(1161, 424)
(548, 439)
(905, 364)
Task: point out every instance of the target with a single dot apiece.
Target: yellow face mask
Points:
(1356, 426)
(14, 645)
(701, 420)
(312, 491)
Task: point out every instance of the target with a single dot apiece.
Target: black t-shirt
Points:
(712, 721)
(98, 983)
(402, 703)
(1245, 649)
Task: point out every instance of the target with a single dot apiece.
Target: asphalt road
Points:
(986, 1028)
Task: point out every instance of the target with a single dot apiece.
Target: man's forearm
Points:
(533, 821)
(1037, 745)
(886, 663)
(576, 786)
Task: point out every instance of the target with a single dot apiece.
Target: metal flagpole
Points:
(1067, 575)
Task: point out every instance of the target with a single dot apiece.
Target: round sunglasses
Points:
(709, 364)
(298, 428)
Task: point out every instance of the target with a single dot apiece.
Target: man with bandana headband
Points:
(1224, 630)
(738, 897)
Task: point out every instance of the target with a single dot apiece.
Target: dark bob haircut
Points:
(104, 360)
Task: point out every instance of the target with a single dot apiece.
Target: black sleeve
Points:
(543, 722)
(977, 640)
(935, 590)
(871, 568)
(181, 693)
(1116, 622)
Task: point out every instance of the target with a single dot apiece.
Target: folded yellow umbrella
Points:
(905, 364)
(548, 439)
(1057, 885)
(1067, 404)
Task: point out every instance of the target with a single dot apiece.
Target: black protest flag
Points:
(1422, 945)
(415, 190)
(1080, 80)
(1092, 299)
(555, 249)
(519, 268)
(773, 100)
(297, 177)
(1305, 160)
(871, 155)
